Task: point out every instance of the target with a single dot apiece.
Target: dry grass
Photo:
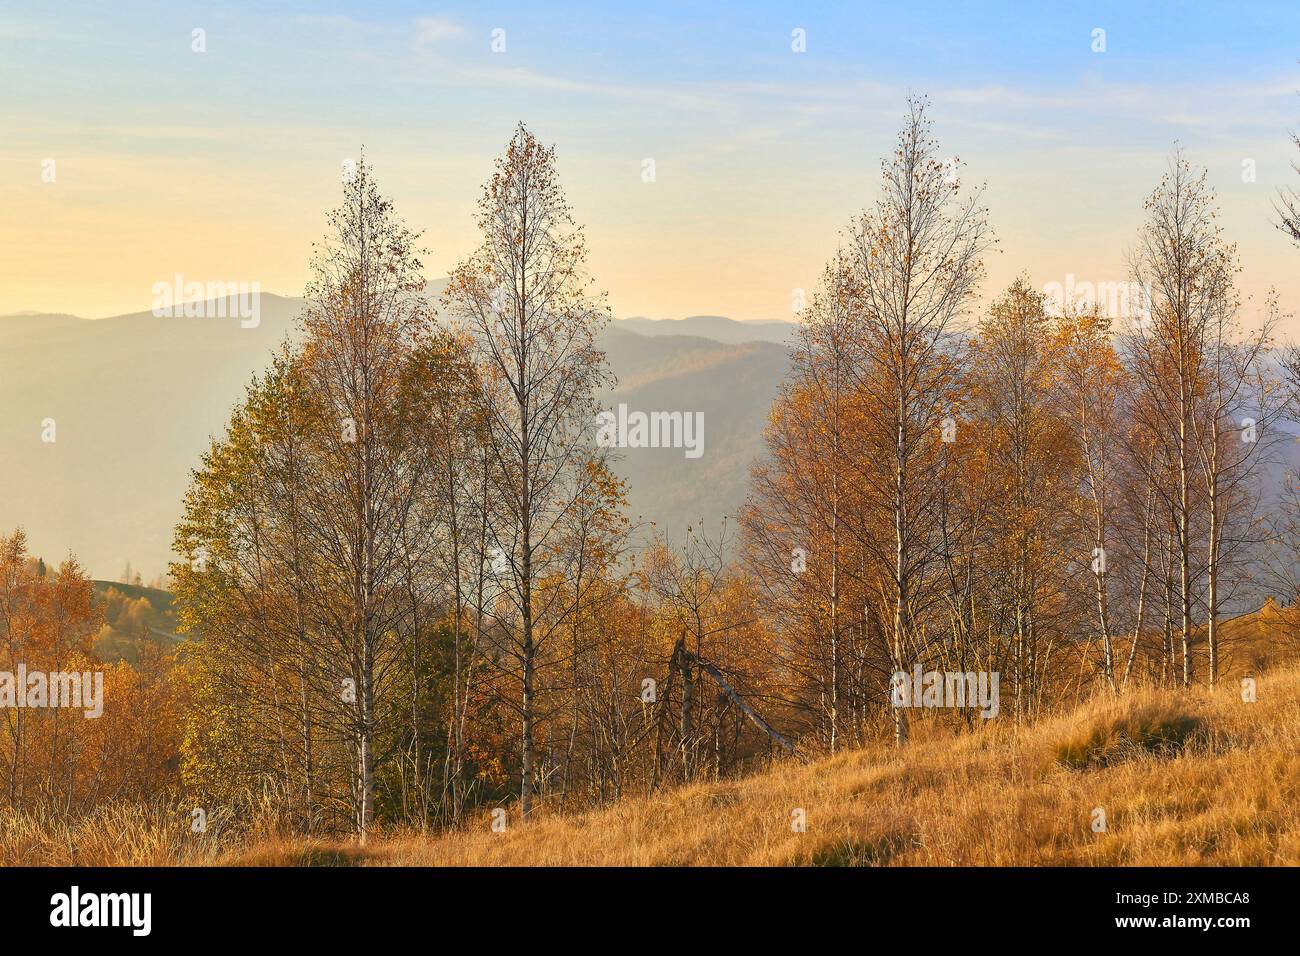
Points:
(133, 835)
(1184, 779)
(1162, 727)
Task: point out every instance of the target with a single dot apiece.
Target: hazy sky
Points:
(221, 165)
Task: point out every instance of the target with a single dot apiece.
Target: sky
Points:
(221, 165)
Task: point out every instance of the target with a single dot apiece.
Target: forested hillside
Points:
(138, 621)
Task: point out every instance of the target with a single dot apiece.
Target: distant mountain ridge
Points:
(716, 327)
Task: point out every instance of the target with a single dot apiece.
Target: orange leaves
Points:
(55, 756)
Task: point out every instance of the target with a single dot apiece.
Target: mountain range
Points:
(132, 400)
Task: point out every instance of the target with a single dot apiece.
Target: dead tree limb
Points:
(748, 711)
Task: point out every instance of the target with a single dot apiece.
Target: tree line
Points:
(1063, 496)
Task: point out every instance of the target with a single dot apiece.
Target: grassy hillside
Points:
(1255, 642)
(1183, 779)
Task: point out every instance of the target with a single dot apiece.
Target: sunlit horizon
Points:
(762, 155)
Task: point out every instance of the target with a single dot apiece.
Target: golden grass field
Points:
(1184, 778)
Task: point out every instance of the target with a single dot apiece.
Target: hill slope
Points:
(1182, 778)
(731, 385)
(136, 620)
(1228, 795)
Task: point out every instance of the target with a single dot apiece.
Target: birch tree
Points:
(917, 262)
(523, 296)
(1185, 267)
